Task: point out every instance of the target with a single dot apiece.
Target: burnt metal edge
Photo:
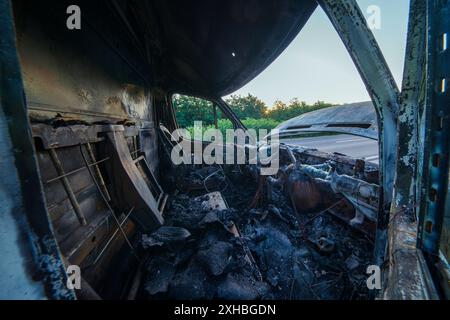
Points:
(435, 162)
(29, 210)
(351, 25)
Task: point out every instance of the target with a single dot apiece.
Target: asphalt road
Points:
(353, 146)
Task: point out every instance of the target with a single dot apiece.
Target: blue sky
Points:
(316, 65)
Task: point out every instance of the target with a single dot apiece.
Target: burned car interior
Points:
(88, 180)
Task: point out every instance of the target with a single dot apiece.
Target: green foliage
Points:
(263, 123)
(282, 111)
(253, 112)
(249, 123)
(247, 107)
(222, 125)
(190, 109)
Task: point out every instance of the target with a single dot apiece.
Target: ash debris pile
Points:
(212, 250)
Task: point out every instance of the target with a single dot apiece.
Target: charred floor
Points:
(242, 239)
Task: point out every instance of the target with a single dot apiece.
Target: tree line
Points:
(253, 112)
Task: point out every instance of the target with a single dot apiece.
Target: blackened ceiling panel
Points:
(200, 47)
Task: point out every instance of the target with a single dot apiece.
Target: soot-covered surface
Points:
(278, 255)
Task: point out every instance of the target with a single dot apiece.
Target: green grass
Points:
(249, 123)
(256, 124)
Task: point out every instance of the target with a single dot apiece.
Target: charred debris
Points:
(206, 232)
(231, 233)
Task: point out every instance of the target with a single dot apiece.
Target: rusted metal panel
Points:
(406, 275)
(81, 75)
(65, 136)
(435, 164)
(436, 160)
(351, 26)
(31, 264)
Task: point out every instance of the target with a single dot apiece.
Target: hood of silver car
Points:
(356, 119)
